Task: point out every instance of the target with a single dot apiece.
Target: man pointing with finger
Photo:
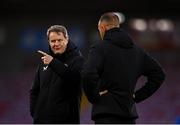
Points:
(56, 91)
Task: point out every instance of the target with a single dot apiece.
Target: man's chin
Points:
(58, 53)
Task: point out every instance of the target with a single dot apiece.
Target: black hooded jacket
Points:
(56, 91)
(115, 64)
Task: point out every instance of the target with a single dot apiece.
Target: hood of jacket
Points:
(119, 38)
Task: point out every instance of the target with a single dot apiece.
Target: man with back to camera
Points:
(112, 70)
(56, 91)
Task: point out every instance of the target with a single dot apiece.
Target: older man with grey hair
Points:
(56, 91)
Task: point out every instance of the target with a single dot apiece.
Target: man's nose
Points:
(57, 42)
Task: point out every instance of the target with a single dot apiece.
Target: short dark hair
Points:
(109, 17)
(57, 28)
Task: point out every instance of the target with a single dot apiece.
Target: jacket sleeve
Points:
(71, 71)
(34, 92)
(155, 77)
(90, 73)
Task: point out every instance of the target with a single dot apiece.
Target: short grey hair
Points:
(57, 28)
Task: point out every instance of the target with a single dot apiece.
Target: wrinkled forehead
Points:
(55, 33)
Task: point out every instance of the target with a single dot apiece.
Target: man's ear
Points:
(103, 27)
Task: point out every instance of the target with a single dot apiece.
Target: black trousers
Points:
(114, 120)
(55, 120)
